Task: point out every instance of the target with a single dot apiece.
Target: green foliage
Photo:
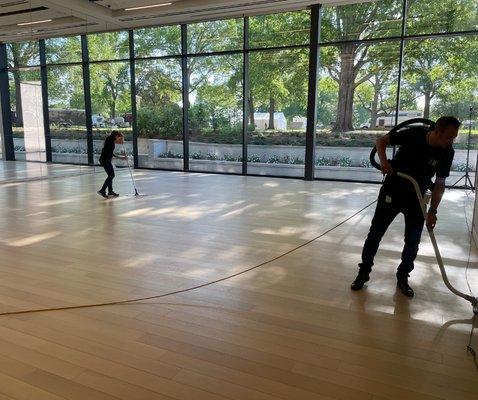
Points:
(290, 28)
(220, 35)
(439, 73)
(157, 41)
(163, 122)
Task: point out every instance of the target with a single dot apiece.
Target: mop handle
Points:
(129, 168)
(471, 299)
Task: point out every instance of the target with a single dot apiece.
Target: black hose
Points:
(401, 125)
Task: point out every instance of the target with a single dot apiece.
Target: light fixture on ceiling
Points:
(150, 6)
(35, 22)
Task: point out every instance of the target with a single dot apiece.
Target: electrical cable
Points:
(129, 301)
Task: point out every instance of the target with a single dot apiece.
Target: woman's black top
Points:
(108, 150)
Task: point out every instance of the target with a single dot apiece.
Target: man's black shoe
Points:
(113, 194)
(359, 281)
(402, 284)
(102, 194)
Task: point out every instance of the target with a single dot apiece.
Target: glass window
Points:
(357, 91)
(110, 102)
(23, 54)
(157, 42)
(63, 50)
(286, 29)
(206, 37)
(108, 46)
(439, 78)
(438, 16)
(66, 110)
(159, 113)
(215, 113)
(371, 19)
(277, 112)
(27, 114)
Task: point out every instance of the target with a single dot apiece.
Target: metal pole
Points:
(44, 91)
(87, 94)
(6, 117)
(185, 87)
(245, 95)
(134, 122)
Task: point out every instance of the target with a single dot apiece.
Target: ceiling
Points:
(69, 17)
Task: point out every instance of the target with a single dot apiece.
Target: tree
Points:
(21, 55)
(377, 95)
(277, 78)
(345, 62)
(109, 80)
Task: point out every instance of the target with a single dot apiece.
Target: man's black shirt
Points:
(418, 159)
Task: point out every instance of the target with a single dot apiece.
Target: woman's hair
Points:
(115, 134)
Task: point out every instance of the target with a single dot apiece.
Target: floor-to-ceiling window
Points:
(66, 101)
(215, 95)
(440, 72)
(357, 86)
(110, 88)
(360, 76)
(246, 85)
(26, 101)
(159, 103)
(277, 99)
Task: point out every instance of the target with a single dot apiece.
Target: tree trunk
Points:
(374, 108)
(426, 108)
(272, 104)
(18, 98)
(251, 111)
(346, 89)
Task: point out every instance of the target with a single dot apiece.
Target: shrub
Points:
(170, 154)
(230, 157)
(274, 160)
(212, 157)
(322, 161)
(461, 167)
(161, 122)
(364, 163)
(254, 158)
(345, 162)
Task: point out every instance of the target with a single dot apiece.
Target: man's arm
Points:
(381, 145)
(437, 195)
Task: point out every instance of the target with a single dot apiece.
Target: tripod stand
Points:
(466, 177)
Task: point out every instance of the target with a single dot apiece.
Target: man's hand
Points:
(431, 220)
(386, 168)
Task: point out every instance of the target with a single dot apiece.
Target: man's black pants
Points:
(390, 204)
(108, 166)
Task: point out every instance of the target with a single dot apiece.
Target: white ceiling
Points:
(85, 16)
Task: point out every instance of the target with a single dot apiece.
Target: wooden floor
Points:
(291, 329)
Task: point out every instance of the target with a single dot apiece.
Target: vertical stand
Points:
(468, 184)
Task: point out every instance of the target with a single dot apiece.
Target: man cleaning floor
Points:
(423, 154)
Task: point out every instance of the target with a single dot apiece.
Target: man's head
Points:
(444, 132)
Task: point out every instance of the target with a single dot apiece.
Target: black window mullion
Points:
(310, 134)
(44, 91)
(87, 95)
(185, 89)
